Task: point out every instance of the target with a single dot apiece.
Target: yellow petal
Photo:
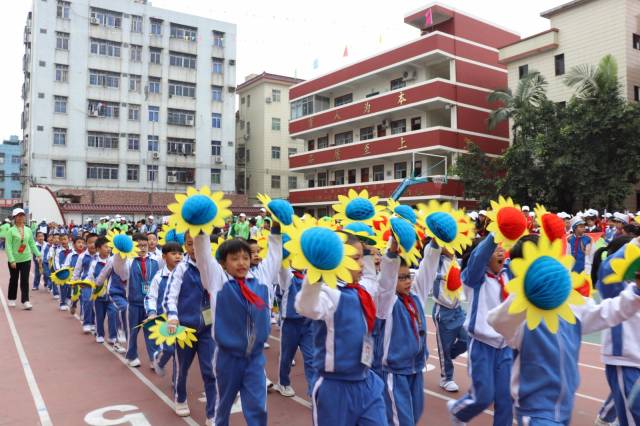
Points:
(551, 319)
(329, 279)
(533, 318)
(313, 275)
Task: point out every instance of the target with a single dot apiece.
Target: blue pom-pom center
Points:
(199, 210)
(443, 225)
(360, 227)
(547, 283)
(64, 274)
(322, 247)
(407, 213)
(285, 239)
(282, 210)
(124, 243)
(360, 209)
(404, 232)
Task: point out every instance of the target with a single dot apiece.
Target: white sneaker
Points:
(269, 383)
(293, 363)
(209, 422)
(156, 366)
(119, 349)
(12, 303)
(449, 385)
(56, 296)
(600, 422)
(285, 390)
(134, 362)
(454, 419)
(99, 339)
(267, 345)
(34, 289)
(122, 338)
(64, 308)
(273, 320)
(27, 306)
(86, 329)
(182, 409)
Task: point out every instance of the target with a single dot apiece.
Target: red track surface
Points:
(76, 376)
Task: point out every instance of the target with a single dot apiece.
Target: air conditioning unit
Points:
(172, 179)
(190, 121)
(217, 159)
(268, 100)
(156, 156)
(93, 113)
(94, 20)
(409, 75)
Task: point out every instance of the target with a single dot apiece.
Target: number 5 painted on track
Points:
(96, 417)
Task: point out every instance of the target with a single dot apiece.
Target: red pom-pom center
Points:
(512, 222)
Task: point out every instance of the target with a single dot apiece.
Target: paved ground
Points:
(53, 374)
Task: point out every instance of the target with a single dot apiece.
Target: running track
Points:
(53, 374)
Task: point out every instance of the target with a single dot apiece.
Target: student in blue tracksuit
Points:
(51, 263)
(38, 268)
(80, 272)
(579, 246)
(46, 266)
(117, 295)
(69, 259)
(404, 337)
(545, 369)
(490, 358)
(102, 306)
(295, 332)
(137, 273)
(441, 267)
(60, 257)
(187, 302)
(346, 391)
(241, 321)
(621, 347)
(171, 257)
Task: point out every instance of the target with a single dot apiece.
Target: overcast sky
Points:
(286, 36)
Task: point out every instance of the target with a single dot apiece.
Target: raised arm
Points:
(369, 279)
(389, 266)
(105, 273)
(610, 312)
(509, 326)
(284, 278)
(317, 301)
(427, 271)
(211, 273)
(121, 267)
(267, 271)
(473, 274)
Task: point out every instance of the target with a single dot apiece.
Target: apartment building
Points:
(124, 97)
(10, 174)
(262, 138)
(408, 111)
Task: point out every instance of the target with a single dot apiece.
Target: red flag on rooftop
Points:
(428, 18)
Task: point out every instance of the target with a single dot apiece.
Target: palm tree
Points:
(591, 82)
(530, 93)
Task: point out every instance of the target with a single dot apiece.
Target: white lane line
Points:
(41, 407)
(446, 398)
(296, 398)
(163, 397)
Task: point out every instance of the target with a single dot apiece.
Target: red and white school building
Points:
(400, 113)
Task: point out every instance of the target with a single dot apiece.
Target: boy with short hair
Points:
(155, 252)
(81, 272)
(70, 261)
(38, 268)
(50, 260)
(98, 272)
(171, 256)
(61, 255)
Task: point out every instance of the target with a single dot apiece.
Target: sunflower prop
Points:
(507, 222)
(62, 276)
(99, 291)
(357, 207)
(321, 252)
(183, 335)
(544, 285)
(279, 209)
(405, 234)
(168, 234)
(122, 244)
(625, 268)
(449, 227)
(149, 320)
(453, 283)
(263, 246)
(75, 293)
(586, 285)
(361, 231)
(551, 226)
(199, 211)
(403, 211)
(215, 245)
(83, 283)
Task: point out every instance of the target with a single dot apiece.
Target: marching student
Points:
(346, 391)
(442, 272)
(38, 272)
(404, 341)
(296, 332)
(241, 321)
(70, 261)
(61, 255)
(579, 246)
(117, 296)
(46, 270)
(50, 260)
(155, 252)
(80, 272)
(171, 256)
(187, 302)
(99, 272)
(137, 274)
(490, 358)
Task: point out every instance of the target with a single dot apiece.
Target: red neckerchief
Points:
(299, 275)
(249, 295)
(367, 304)
(500, 279)
(143, 268)
(410, 304)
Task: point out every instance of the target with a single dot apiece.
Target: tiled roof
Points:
(137, 208)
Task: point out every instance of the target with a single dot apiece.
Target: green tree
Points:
(592, 82)
(478, 172)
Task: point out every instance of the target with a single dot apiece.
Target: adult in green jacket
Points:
(3, 231)
(20, 248)
(240, 229)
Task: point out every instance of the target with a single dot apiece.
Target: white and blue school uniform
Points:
(490, 358)
(51, 267)
(38, 272)
(46, 270)
(240, 329)
(101, 270)
(138, 273)
(621, 350)
(346, 391)
(117, 293)
(581, 250)
(545, 374)
(80, 272)
(404, 344)
(448, 315)
(188, 301)
(66, 257)
(156, 293)
(295, 331)
(157, 256)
